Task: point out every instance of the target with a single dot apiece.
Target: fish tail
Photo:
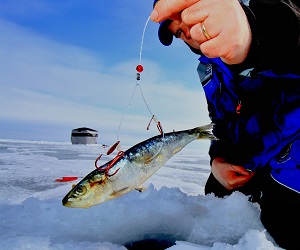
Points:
(205, 132)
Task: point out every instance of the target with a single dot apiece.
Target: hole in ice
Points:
(160, 242)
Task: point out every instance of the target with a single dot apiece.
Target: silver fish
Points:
(132, 168)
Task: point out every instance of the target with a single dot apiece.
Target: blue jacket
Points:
(256, 117)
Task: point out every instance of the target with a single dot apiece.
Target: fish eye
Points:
(80, 190)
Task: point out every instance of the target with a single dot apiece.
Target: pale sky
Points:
(67, 64)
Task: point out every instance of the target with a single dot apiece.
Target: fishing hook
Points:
(159, 127)
(110, 165)
(158, 124)
(113, 147)
(150, 122)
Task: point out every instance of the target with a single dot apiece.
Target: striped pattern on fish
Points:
(137, 164)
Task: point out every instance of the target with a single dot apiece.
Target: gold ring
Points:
(205, 32)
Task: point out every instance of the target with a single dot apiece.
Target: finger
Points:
(223, 47)
(166, 9)
(243, 179)
(196, 13)
(218, 47)
(239, 169)
(198, 35)
(237, 181)
(243, 172)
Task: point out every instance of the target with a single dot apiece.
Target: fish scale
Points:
(137, 164)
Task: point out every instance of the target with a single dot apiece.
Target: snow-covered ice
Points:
(171, 213)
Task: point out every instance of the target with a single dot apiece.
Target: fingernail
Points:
(154, 15)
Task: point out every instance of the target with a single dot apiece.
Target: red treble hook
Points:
(110, 165)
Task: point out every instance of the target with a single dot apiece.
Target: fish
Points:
(132, 167)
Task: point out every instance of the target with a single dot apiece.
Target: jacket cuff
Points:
(216, 149)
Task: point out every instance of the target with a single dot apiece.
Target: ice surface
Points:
(172, 213)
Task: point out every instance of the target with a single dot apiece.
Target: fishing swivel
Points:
(139, 70)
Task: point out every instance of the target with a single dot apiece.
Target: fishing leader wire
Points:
(139, 69)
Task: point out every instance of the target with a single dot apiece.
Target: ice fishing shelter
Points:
(84, 135)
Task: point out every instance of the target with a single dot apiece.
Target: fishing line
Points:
(140, 69)
(142, 41)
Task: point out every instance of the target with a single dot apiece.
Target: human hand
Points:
(225, 22)
(230, 176)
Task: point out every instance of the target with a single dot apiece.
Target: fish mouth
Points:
(67, 203)
(84, 201)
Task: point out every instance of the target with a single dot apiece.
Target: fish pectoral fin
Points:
(120, 192)
(140, 189)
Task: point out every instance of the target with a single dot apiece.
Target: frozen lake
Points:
(172, 213)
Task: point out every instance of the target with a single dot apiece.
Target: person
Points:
(250, 72)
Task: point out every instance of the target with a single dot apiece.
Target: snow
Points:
(172, 213)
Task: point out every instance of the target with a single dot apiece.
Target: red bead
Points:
(139, 68)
